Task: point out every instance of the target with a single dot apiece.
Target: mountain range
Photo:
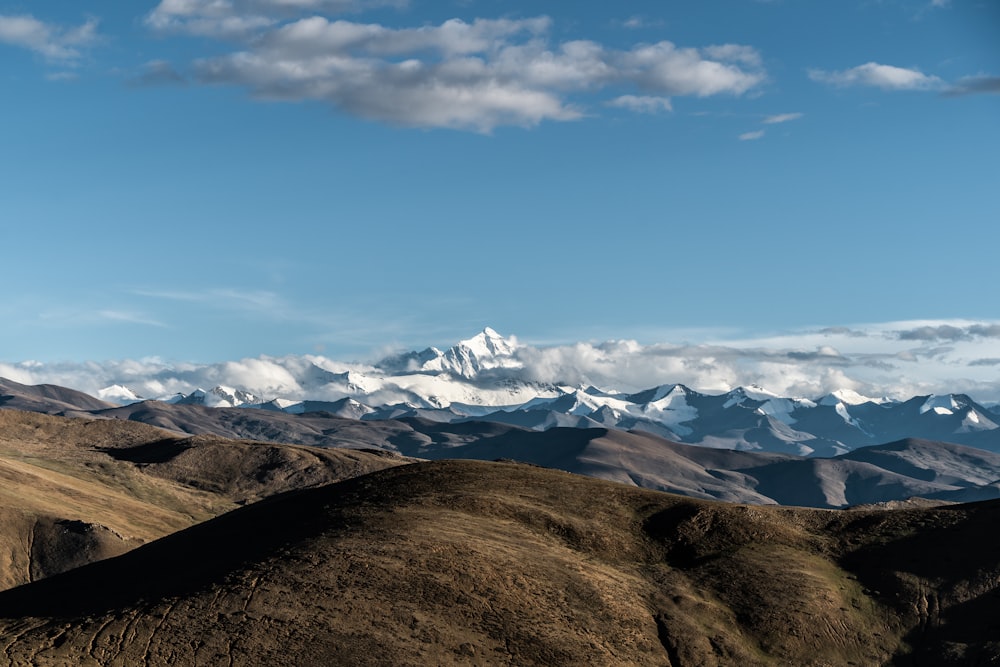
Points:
(888, 472)
(469, 562)
(169, 542)
(481, 379)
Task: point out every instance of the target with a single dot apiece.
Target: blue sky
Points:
(212, 179)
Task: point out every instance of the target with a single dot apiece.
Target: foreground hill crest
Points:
(490, 563)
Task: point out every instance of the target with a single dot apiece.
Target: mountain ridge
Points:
(490, 377)
(738, 419)
(936, 470)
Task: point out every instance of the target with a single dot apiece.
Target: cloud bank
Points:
(898, 360)
(475, 75)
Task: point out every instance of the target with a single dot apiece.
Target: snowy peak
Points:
(753, 394)
(489, 343)
(220, 397)
(847, 397)
(118, 393)
(942, 405)
(469, 357)
(659, 393)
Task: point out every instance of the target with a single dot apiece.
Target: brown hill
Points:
(463, 562)
(47, 398)
(892, 472)
(76, 490)
(884, 473)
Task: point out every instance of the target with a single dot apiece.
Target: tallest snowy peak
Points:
(488, 343)
(485, 350)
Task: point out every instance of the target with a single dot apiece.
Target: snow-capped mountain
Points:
(479, 379)
(484, 351)
(219, 397)
(120, 394)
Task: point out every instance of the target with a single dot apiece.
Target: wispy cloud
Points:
(781, 118)
(226, 297)
(637, 22)
(872, 74)
(57, 43)
(158, 73)
(775, 119)
(129, 318)
(975, 85)
(233, 18)
(642, 103)
(76, 317)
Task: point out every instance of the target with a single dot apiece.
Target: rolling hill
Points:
(466, 562)
(77, 490)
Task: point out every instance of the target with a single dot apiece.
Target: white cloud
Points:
(129, 318)
(663, 68)
(56, 43)
(237, 18)
(781, 118)
(76, 316)
(734, 53)
(220, 297)
(873, 359)
(642, 103)
(886, 77)
(474, 75)
(639, 22)
(752, 136)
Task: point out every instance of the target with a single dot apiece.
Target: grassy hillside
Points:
(74, 490)
(462, 562)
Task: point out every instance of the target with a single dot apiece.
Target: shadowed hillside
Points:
(73, 490)
(462, 562)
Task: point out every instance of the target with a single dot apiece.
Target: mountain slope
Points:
(469, 562)
(47, 398)
(75, 490)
